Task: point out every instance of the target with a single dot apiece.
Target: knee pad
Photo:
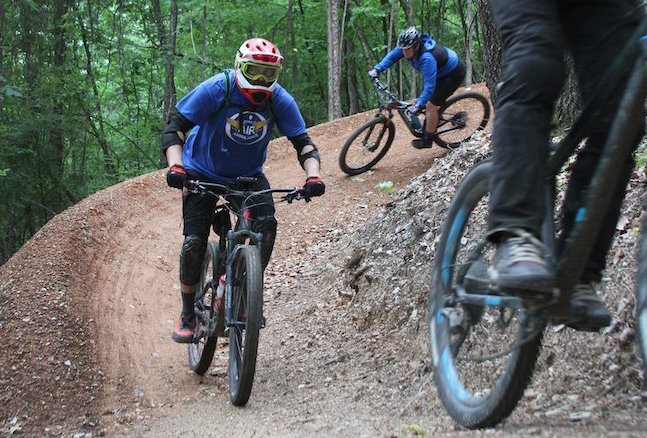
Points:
(191, 257)
(266, 225)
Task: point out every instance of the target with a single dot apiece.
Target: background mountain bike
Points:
(484, 345)
(238, 312)
(461, 116)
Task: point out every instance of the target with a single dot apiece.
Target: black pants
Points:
(535, 34)
(198, 213)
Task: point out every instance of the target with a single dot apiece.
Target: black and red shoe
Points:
(184, 330)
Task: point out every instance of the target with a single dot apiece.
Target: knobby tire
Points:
(487, 407)
(641, 295)
(247, 308)
(455, 115)
(370, 142)
(201, 352)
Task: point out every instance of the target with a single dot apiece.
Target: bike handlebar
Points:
(395, 101)
(215, 189)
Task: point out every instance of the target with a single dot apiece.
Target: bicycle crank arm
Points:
(495, 300)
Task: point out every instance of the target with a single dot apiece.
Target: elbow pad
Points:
(301, 142)
(176, 122)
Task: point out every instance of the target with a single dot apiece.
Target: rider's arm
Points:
(429, 71)
(307, 154)
(391, 58)
(173, 137)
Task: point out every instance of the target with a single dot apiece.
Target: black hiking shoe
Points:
(422, 143)
(183, 333)
(425, 142)
(587, 303)
(520, 267)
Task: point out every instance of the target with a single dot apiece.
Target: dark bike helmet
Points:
(408, 37)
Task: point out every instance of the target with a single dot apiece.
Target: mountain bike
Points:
(484, 344)
(459, 118)
(236, 311)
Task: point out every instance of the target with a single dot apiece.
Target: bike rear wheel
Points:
(641, 295)
(483, 355)
(367, 145)
(246, 311)
(202, 350)
(460, 117)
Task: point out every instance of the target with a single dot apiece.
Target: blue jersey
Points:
(425, 63)
(231, 141)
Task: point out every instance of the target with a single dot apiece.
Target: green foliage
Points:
(81, 93)
(414, 430)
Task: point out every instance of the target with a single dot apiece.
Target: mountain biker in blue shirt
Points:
(230, 117)
(442, 72)
(535, 35)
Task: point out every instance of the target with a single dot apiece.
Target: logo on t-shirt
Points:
(246, 127)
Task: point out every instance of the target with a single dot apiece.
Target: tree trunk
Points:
(351, 80)
(293, 58)
(492, 50)
(569, 103)
(167, 47)
(3, 27)
(334, 70)
(99, 131)
(60, 49)
(469, 21)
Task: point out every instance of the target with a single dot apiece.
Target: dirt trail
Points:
(137, 300)
(96, 356)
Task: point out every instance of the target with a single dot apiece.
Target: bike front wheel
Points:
(460, 117)
(202, 349)
(367, 145)
(641, 295)
(244, 329)
(483, 352)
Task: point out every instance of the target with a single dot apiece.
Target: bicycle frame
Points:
(241, 234)
(630, 69)
(413, 123)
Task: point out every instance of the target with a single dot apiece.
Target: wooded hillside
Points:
(85, 84)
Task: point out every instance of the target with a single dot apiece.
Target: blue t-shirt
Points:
(228, 142)
(425, 63)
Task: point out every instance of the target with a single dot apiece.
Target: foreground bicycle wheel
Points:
(460, 117)
(367, 145)
(202, 350)
(247, 308)
(483, 356)
(641, 295)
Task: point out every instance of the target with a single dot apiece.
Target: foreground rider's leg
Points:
(531, 81)
(589, 70)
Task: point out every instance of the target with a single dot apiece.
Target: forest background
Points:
(85, 86)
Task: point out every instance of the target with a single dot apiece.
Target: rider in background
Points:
(442, 72)
(535, 35)
(231, 116)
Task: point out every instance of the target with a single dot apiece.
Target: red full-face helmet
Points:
(257, 66)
